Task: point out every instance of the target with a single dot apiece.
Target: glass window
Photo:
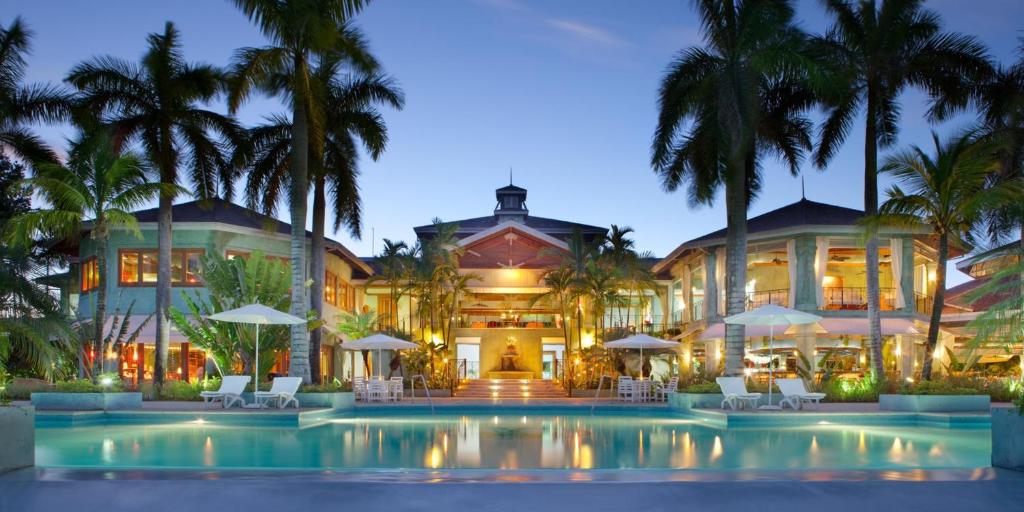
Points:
(129, 267)
(90, 275)
(192, 264)
(331, 288)
(149, 267)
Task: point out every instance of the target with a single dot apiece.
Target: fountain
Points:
(509, 367)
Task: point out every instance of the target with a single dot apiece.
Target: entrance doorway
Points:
(551, 361)
(470, 352)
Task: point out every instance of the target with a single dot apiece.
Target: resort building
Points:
(215, 226)
(808, 256)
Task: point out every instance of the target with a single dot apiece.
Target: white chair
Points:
(230, 392)
(661, 393)
(625, 388)
(282, 392)
(735, 393)
(377, 391)
(359, 388)
(796, 394)
(397, 389)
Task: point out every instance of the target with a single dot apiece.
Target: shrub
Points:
(176, 390)
(22, 389)
(88, 386)
(703, 388)
(937, 387)
(866, 389)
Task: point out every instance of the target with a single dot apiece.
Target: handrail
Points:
(597, 395)
(426, 390)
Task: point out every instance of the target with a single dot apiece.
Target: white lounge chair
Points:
(662, 391)
(796, 394)
(627, 392)
(359, 388)
(282, 392)
(735, 393)
(230, 392)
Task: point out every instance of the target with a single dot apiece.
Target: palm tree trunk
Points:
(163, 285)
(299, 360)
(871, 248)
(318, 268)
(101, 303)
(735, 265)
(937, 305)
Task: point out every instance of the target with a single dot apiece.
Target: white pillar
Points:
(712, 355)
(806, 343)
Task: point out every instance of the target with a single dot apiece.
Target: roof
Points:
(959, 296)
(226, 212)
(801, 213)
(510, 188)
(545, 225)
(967, 264)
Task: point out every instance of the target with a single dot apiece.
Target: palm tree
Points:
(564, 295)
(738, 98)
(879, 51)
(300, 32)
(393, 261)
(96, 183)
(949, 192)
(349, 116)
(22, 104)
(158, 102)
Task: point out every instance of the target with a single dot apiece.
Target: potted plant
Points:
(334, 395)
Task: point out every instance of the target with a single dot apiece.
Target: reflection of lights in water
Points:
(823, 422)
(200, 421)
(640, 448)
(586, 457)
(523, 420)
(108, 450)
(935, 451)
(716, 449)
(444, 442)
(495, 420)
(434, 457)
(896, 452)
(862, 446)
(208, 452)
(673, 439)
(814, 446)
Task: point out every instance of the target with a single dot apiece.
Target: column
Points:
(712, 355)
(806, 343)
(710, 287)
(140, 363)
(685, 358)
(907, 276)
(905, 361)
(184, 361)
(806, 295)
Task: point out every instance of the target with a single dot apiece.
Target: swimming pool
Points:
(527, 441)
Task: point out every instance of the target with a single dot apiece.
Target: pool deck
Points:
(154, 491)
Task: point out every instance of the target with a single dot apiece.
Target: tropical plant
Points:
(877, 52)
(120, 334)
(739, 98)
(1002, 323)
(393, 260)
(948, 192)
(350, 116)
(98, 185)
(301, 33)
(23, 104)
(158, 102)
(229, 284)
(564, 296)
(357, 326)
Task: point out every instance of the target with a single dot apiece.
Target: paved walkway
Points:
(20, 492)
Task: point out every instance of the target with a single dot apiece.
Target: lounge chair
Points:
(230, 392)
(735, 393)
(359, 388)
(796, 394)
(627, 392)
(662, 391)
(282, 392)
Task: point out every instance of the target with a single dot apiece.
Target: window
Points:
(232, 254)
(235, 253)
(331, 288)
(90, 275)
(138, 267)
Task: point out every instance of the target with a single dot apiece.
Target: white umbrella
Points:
(772, 315)
(256, 314)
(378, 342)
(641, 341)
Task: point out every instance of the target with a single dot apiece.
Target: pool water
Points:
(513, 442)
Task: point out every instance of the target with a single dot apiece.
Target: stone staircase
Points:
(497, 389)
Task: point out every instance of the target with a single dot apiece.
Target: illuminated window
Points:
(139, 267)
(331, 288)
(90, 275)
(232, 254)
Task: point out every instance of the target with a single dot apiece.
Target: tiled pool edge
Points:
(300, 419)
(768, 419)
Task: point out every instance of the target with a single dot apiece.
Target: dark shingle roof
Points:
(544, 225)
(801, 213)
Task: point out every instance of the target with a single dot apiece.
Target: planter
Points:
(934, 403)
(1007, 439)
(86, 401)
(340, 400)
(18, 449)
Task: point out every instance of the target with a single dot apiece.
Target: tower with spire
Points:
(511, 203)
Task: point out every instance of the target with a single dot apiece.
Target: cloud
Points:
(585, 32)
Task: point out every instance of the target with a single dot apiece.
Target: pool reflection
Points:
(513, 442)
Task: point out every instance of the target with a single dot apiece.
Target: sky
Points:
(562, 92)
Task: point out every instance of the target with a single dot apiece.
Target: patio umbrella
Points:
(641, 341)
(378, 342)
(256, 314)
(772, 315)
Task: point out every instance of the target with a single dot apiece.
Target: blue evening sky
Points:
(561, 91)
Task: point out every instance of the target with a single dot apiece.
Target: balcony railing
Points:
(539, 321)
(923, 303)
(765, 297)
(856, 299)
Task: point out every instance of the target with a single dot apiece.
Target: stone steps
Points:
(509, 388)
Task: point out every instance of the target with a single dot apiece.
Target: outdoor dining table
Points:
(642, 390)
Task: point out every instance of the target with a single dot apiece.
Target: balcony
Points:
(856, 299)
(757, 299)
(531, 321)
